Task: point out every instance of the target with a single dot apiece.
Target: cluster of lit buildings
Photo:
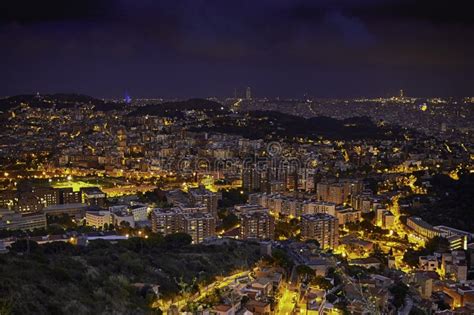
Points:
(194, 213)
(27, 208)
(132, 215)
(320, 186)
(199, 225)
(339, 192)
(10, 220)
(457, 239)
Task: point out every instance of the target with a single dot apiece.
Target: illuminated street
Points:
(287, 302)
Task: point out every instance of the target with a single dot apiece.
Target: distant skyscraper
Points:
(401, 93)
(127, 99)
(248, 93)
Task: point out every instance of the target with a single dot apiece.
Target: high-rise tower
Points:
(248, 93)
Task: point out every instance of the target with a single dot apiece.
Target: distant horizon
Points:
(239, 97)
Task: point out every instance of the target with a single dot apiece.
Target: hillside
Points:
(175, 109)
(267, 124)
(103, 278)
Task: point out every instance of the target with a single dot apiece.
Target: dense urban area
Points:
(236, 206)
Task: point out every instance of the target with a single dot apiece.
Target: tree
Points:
(437, 244)
(369, 216)
(6, 306)
(154, 239)
(229, 221)
(416, 311)
(186, 288)
(378, 253)
(52, 229)
(357, 271)
(294, 221)
(281, 258)
(313, 241)
(157, 311)
(332, 273)
(232, 197)
(321, 282)
(106, 271)
(57, 247)
(24, 246)
(286, 229)
(353, 226)
(63, 220)
(304, 272)
(178, 239)
(399, 291)
(412, 256)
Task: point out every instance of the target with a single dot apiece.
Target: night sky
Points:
(188, 48)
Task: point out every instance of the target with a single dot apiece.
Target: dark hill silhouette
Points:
(264, 124)
(175, 109)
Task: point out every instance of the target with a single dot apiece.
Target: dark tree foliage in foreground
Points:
(399, 291)
(103, 278)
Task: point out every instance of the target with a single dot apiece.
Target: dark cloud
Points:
(433, 11)
(32, 11)
(203, 47)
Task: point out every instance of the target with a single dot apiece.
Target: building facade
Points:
(257, 224)
(321, 227)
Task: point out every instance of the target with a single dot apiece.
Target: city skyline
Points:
(241, 93)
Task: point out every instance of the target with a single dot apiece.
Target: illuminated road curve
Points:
(286, 303)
